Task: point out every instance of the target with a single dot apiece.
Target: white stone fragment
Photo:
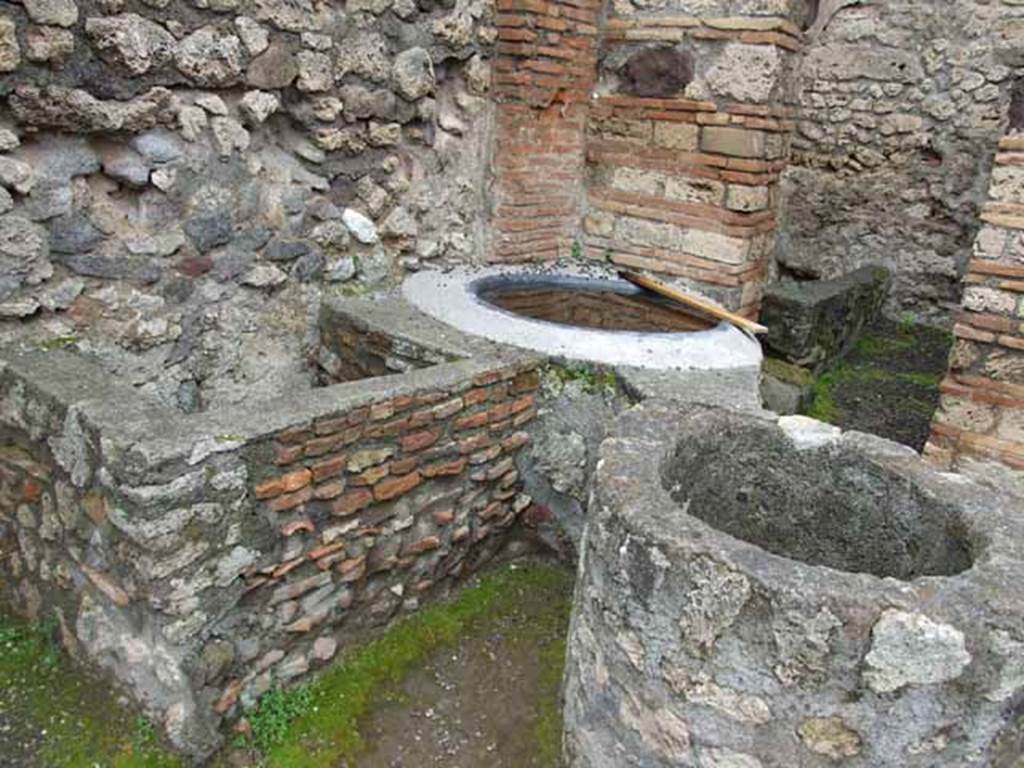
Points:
(807, 434)
(911, 649)
(362, 228)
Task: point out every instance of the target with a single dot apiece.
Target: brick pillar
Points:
(688, 187)
(981, 412)
(543, 74)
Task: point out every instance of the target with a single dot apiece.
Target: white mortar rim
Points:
(450, 296)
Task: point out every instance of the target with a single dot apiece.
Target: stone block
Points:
(682, 136)
(747, 199)
(716, 246)
(735, 142)
(694, 190)
(814, 323)
(786, 389)
(657, 71)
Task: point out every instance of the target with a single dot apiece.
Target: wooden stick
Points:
(691, 301)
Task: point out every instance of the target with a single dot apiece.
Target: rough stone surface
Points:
(659, 71)
(911, 649)
(209, 57)
(131, 41)
(698, 632)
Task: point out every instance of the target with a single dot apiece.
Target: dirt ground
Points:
(488, 702)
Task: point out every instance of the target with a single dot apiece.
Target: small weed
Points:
(577, 249)
(609, 255)
(906, 323)
(278, 708)
(57, 342)
(145, 733)
(591, 381)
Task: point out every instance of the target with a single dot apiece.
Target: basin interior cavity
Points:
(587, 303)
(828, 507)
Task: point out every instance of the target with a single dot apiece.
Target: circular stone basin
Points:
(766, 592)
(580, 315)
(835, 509)
(587, 303)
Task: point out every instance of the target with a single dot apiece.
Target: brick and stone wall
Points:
(981, 412)
(664, 155)
(202, 560)
(689, 132)
(901, 105)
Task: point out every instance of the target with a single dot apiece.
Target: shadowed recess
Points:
(825, 507)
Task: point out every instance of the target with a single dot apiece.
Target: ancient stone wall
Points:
(901, 104)
(204, 559)
(981, 412)
(652, 136)
(182, 181)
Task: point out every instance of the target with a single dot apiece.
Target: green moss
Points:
(922, 379)
(548, 728)
(318, 724)
(872, 345)
(780, 369)
(83, 723)
(823, 405)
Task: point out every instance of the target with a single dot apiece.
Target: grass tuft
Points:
(823, 405)
(591, 380)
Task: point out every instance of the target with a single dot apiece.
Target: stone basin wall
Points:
(773, 593)
(202, 560)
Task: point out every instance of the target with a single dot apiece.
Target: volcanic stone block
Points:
(813, 323)
(660, 71)
(735, 142)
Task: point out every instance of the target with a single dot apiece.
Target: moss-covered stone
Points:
(813, 323)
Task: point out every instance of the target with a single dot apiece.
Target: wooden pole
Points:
(707, 308)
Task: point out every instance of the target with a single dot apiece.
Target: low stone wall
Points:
(755, 592)
(981, 412)
(204, 559)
